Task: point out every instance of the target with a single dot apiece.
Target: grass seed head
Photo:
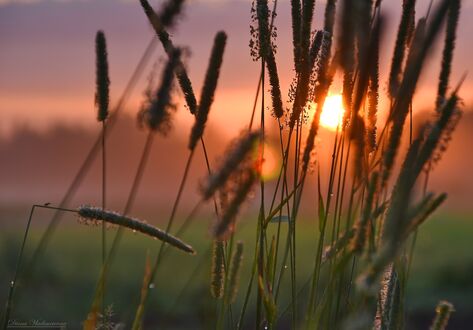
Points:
(102, 79)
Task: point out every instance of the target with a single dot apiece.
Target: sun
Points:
(332, 112)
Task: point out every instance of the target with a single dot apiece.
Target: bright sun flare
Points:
(332, 112)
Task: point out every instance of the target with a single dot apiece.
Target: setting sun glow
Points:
(332, 112)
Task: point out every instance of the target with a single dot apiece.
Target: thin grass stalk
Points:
(335, 158)
(280, 214)
(245, 304)
(104, 236)
(118, 236)
(324, 214)
(13, 283)
(318, 258)
(85, 166)
(337, 222)
(207, 95)
(261, 212)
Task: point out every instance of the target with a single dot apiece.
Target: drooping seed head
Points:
(236, 154)
(157, 114)
(93, 213)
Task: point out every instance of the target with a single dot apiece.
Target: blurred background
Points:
(48, 124)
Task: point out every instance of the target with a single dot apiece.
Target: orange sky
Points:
(47, 57)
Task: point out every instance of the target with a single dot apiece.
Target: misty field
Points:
(319, 214)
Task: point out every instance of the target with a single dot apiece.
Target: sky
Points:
(47, 84)
(47, 68)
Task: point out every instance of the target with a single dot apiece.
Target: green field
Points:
(61, 287)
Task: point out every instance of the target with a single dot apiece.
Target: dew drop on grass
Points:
(285, 266)
(151, 285)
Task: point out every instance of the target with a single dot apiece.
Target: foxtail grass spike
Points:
(310, 142)
(234, 274)
(278, 110)
(373, 96)
(88, 213)
(103, 81)
(296, 33)
(423, 212)
(411, 27)
(208, 90)
(394, 223)
(181, 73)
(218, 269)
(266, 53)
(417, 54)
(362, 29)
(329, 16)
(449, 46)
(226, 223)
(158, 115)
(408, 7)
(315, 47)
(444, 125)
(386, 299)
(262, 13)
(306, 29)
(235, 155)
(346, 45)
(443, 311)
(167, 16)
(170, 11)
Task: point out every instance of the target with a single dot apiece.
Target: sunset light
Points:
(332, 113)
(186, 165)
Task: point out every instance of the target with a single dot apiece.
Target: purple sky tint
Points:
(47, 56)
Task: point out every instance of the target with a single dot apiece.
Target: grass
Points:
(71, 265)
(368, 214)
